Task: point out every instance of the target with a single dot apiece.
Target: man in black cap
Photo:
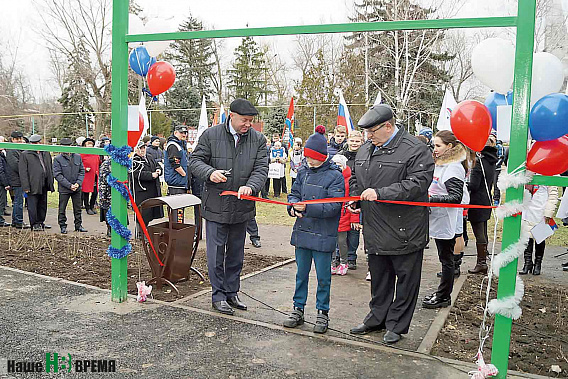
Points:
(13, 172)
(392, 165)
(175, 164)
(69, 172)
(229, 157)
(36, 174)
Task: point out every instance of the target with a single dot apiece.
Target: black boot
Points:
(528, 266)
(538, 255)
(457, 263)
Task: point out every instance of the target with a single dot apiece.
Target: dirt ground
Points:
(83, 259)
(539, 337)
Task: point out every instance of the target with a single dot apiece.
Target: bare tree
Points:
(277, 72)
(67, 27)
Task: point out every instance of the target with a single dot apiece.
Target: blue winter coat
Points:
(317, 229)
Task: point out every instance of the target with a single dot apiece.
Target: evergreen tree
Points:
(275, 121)
(248, 75)
(75, 98)
(183, 96)
(194, 59)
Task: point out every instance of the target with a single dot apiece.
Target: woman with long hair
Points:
(448, 185)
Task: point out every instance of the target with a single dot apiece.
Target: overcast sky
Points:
(19, 17)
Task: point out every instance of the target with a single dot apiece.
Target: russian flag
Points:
(552, 224)
(343, 117)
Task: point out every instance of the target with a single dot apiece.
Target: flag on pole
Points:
(222, 114)
(343, 117)
(290, 123)
(446, 111)
(378, 99)
(203, 124)
(138, 123)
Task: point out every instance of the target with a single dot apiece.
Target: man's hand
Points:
(218, 177)
(87, 169)
(369, 195)
(244, 190)
(299, 207)
(74, 187)
(155, 175)
(351, 207)
(356, 226)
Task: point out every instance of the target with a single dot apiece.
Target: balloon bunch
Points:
(160, 75)
(493, 62)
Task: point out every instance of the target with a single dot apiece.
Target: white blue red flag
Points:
(343, 117)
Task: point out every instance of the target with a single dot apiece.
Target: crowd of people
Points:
(384, 163)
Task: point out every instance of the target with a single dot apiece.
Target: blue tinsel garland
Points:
(120, 156)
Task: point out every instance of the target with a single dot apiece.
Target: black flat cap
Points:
(35, 138)
(87, 140)
(376, 115)
(181, 128)
(243, 107)
(17, 134)
(66, 141)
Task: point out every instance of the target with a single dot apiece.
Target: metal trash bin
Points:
(175, 243)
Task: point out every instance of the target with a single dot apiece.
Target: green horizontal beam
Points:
(53, 148)
(559, 181)
(349, 27)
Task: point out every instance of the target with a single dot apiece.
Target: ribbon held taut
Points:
(357, 198)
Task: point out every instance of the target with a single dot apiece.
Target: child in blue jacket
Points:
(315, 230)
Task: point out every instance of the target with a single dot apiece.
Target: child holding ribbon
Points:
(315, 230)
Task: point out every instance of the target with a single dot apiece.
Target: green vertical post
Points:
(517, 155)
(119, 119)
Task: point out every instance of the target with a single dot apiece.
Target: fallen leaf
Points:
(258, 361)
(556, 369)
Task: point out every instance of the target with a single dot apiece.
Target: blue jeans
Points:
(323, 271)
(352, 246)
(18, 206)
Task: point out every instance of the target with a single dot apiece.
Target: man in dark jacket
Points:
(154, 150)
(36, 174)
(393, 165)
(229, 157)
(69, 172)
(4, 185)
(13, 172)
(176, 164)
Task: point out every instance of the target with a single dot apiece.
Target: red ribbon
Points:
(357, 198)
(141, 221)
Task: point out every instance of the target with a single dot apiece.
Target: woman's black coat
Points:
(145, 186)
(476, 186)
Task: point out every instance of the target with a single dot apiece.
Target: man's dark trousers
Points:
(179, 213)
(225, 254)
(76, 201)
(252, 230)
(390, 272)
(37, 208)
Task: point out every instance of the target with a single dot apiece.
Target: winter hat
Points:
(154, 138)
(316, 145)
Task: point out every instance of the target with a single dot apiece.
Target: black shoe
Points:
(21, 226)
(362, 329)
(296, 318)
(37, 228)
(90, 212)
(63, 230)
(436, 302)
(322, 322)
(565, 268)
(46, 226)
(391, 337)
(5, 224)
(223, 307)
(256, 242)
(81, 229)
(93, 210)
(235, 302)
(564, 264)
(428, 297)
(352, 265)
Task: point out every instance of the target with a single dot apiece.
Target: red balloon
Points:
(549, 157)
(134, 135)
(471, 123)
(161, 76)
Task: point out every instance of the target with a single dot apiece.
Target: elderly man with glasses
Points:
(391, 165)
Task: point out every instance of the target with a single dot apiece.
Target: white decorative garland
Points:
(514, 179)
(509, 306)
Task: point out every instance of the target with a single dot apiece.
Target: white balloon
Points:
(547, 76)
(135, 26)
(493, 63)
(156, 25)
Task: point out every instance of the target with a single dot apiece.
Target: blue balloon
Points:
(510, 97)
(140, 61)
(547, 120)
(491, 102)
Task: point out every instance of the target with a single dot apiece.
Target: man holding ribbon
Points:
(229, 157)
(392, 165)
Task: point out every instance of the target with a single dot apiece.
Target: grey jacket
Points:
(12, 169)
(68, 170)
(402, 170)
(248, 163)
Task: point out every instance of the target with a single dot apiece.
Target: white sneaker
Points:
(368, 277)
(342, 269)
(334, 269)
